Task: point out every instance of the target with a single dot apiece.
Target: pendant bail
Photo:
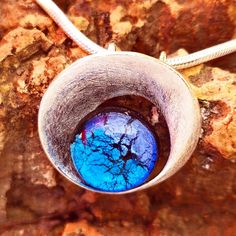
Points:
(163, 56)
(112, 47)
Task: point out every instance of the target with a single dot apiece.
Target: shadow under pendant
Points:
(114, 151)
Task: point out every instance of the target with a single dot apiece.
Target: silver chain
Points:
(208, 54)
(179, 62)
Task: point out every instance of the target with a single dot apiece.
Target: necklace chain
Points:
(180, 62)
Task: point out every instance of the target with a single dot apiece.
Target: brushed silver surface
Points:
(88, 82)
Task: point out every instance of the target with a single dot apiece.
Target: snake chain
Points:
(179, 62)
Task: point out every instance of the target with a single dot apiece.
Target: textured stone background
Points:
(36, 200)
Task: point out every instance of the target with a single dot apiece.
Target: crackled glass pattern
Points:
(114, 152)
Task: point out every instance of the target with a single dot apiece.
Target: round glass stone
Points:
(114, 152)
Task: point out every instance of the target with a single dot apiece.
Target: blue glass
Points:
(114, 152)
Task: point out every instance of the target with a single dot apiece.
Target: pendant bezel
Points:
(103, 76)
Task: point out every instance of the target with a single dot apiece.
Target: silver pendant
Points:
(90, 81)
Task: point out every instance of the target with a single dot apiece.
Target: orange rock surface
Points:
(36, 200)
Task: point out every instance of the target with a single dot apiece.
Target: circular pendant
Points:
(113, 151)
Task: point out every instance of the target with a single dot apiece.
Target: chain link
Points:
(179, 62)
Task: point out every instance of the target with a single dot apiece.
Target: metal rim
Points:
(177, 160)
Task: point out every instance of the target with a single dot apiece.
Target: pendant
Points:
(113, 150)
